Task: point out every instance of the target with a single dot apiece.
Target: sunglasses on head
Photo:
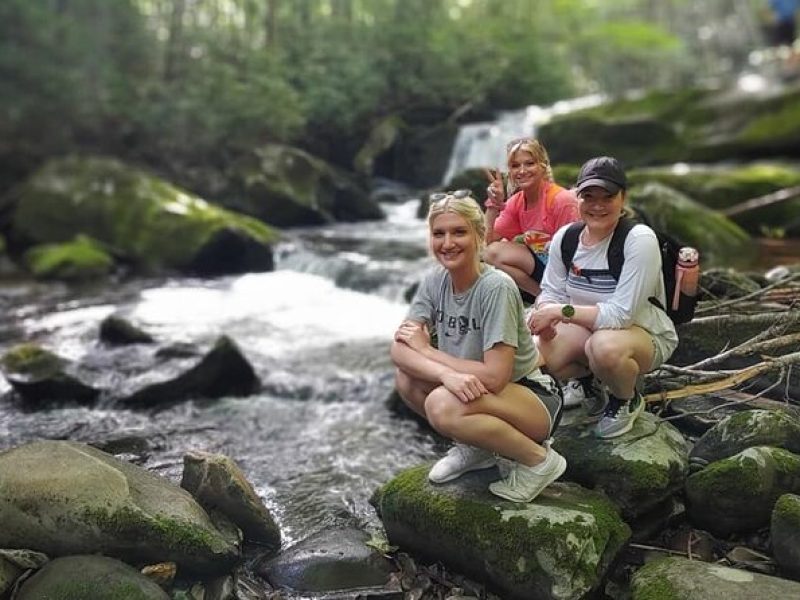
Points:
(514, 143)
(439, 196)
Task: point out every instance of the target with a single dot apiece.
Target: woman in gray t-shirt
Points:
(481, 386)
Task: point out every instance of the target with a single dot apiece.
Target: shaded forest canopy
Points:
(182, 83)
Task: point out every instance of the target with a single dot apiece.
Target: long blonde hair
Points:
(536, 149)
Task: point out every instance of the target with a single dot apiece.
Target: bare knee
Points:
(605, 351)
(492, 254)
(443, 410)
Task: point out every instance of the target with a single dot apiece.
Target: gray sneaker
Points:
(619, 416)
(460, 459)
(595, 395)
(524, 483)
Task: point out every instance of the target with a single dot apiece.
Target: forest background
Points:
(181, 84)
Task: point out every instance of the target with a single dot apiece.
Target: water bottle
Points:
(687, 274)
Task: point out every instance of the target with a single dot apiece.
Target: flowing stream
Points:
(320, 437)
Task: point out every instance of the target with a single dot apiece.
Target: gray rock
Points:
(639, 470)
(118, 331)
(65, 498)
(677, 578)
(89, 578)
(558, 546)
(737, 494)
(785, 533)
(223, 371)
(218, 483)
(9, 572)
(331, 561)
(744, 430)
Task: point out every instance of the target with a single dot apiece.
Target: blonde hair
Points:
(536, 150)
(464, 206)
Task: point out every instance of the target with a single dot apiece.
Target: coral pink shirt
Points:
(515, 219)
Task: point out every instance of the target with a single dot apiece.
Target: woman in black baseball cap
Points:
(596, 325)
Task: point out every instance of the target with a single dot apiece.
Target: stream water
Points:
(320, 437)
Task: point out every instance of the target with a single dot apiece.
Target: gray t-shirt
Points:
(469, 324)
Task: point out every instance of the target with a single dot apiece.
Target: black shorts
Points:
(538, 267)
(551, 396)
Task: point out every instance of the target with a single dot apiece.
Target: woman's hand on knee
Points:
(464, 386)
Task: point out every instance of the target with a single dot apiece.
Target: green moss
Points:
(183, 537)
(80, 259)
(651, 582)
(787, 509)
(507, 541)
(780, 124)
(31, 359)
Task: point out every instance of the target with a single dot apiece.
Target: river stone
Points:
(149, 223)
(785, 534)
(678, 578)
(89, 577)
(558, 546)
(737, 494)
(745, 430)
(218, 483)
(65, 498)
(333, 560)
(223, 371)
(9, 572)
(118, 331)
(639, 470)
(39, 375)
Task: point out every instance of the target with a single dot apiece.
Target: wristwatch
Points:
(567, 311)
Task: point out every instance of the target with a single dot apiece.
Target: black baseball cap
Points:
(604, 172)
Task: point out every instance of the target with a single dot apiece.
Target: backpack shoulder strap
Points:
(569, 243)
(616, 248)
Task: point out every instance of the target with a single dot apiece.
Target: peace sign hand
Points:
(496, 190)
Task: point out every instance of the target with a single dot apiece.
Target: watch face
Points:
(568, 311)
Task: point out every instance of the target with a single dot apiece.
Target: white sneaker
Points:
(524, 483)
(460, 459)
(573, 393)
(619, 416)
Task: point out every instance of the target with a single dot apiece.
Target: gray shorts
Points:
(549, 394)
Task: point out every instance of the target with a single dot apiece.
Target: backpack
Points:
(669, 249)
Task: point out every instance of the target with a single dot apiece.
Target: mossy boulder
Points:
(737, 494)
(381, 138)
(139, 218)
(638, 470)
(64, 498)
(218, 483)
(688, 125)
(87, 577)
(719, 239)
(785, 534)
(80, 259)
(38, 374)
(720, 187)
(558, 546)
(286, 186)
(678, 578)
(744, 430)
(9, 572)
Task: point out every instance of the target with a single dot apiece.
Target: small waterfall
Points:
(484, 144)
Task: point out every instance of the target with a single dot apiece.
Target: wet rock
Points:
(745, 430)
(223, 371)
(65, 498)
(89, 578)
(119, 332)
(737, 494)
(639, 470)
(558, 546)
(330, 561)
(37, 375)
(785, 533)
(677, 578)
(149, 223)
(218, 483)
(80, 259)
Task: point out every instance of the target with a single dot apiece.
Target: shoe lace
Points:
(612, 408)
